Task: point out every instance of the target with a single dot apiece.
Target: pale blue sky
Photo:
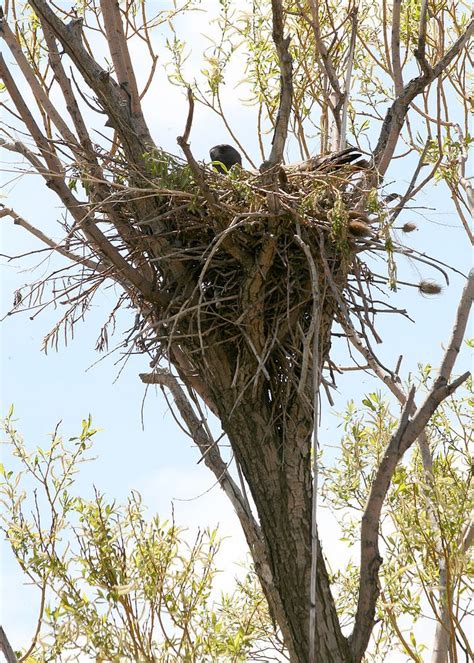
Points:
(159, 461)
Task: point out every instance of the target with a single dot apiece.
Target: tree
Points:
(136, 589)
(238, 280)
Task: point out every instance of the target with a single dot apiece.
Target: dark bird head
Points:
(226, 155)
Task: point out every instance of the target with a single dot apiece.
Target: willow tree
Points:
(237, 279)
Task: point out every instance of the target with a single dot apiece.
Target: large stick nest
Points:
(270, 259)
(249, 264)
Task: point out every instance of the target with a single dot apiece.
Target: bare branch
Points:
(420, 50)
(323, 54)
(459, 329)
(38, 91)
(347, 84)
(66, 88)
(286, 95)
(132, 129)
(54, 176)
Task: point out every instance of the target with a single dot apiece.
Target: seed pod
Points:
(359, 229)
(429, 287)
(409, 227)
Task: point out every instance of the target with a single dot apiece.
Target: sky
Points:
(153, 456)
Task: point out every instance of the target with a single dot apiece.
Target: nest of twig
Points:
(270, 260)
(255, 265)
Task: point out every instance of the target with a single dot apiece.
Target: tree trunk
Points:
(273, 447)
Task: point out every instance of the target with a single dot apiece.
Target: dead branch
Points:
(407, 433)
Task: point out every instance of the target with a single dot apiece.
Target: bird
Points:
(224, 157)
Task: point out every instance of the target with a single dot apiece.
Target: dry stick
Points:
(196, 169)
(400, 442)
(53, 174)
(395, 117)
(213, 459)
(6, 649)
(347, 84)
(237, 252)
(286, 95)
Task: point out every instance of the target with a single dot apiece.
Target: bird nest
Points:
(269, 259)
(248, 269)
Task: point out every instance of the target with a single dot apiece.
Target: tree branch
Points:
(54, 176)
(20, 221)
(395, 47)
(395, 117)
(120, 53)
(133, 131)
(66, 88)
(347, 83)
(36, 88)
(408, 431)
(286, 94)
(5, 648)
(420, 50)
